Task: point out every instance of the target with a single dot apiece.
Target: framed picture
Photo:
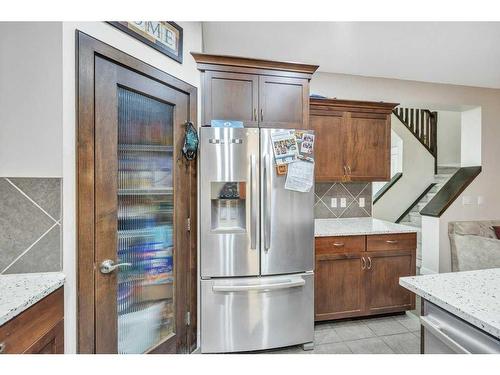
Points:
(164, 36)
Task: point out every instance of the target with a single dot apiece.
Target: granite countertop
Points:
(358, 226)
(20, 291)
(473, 296)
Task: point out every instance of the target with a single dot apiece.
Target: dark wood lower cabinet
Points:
(354, 280)
(383, 292)
(339, 291)
(37, 330)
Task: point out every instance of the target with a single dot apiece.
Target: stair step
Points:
(427, 197)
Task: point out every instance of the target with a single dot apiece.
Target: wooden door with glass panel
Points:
(141, 193)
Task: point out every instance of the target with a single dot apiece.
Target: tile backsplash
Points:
(328, 197)
(30, 225)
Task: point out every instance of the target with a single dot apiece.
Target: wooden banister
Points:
(422, 123)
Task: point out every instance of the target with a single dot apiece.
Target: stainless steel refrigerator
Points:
(256, 247)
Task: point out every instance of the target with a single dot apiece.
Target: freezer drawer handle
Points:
(246, 288)
(436, 331)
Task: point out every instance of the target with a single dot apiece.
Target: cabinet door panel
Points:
(384, 294)
(368, 144)
(339, 286)
(284, 102)
(231, 96)
(329, 146)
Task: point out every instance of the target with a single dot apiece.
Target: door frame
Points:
(87, 48)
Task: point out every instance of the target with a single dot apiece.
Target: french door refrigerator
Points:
(256, 249)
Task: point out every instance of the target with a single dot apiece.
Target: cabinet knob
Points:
(392, 241)
(338, 244)
(363, 263)
(255, 114)
(261, 114)
(369, 263)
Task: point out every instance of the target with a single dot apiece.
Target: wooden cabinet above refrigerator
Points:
(353, 139)
(261, 93)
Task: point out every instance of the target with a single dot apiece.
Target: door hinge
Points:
(188, 318)
(188, 224)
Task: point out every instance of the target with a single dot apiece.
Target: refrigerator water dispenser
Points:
(228, 206)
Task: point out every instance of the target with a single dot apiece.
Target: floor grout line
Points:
(31, 200)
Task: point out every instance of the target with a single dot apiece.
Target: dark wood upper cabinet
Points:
(258, 92)
(284, 102)
(329, 152)
(231, 96)
(353, 139)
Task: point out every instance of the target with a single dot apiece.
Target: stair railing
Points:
(422, 123)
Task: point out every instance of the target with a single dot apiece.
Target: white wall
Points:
(418, 173)
(439, 96)
(110, 35)
(449, 138)
(471, 137)
(30, 99)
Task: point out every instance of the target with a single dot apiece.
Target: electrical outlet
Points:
(466, 200)
(333, 202)
(361, 202)
(343, 202)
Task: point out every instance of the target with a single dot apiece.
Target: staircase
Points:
(414, 219)
(422, 123)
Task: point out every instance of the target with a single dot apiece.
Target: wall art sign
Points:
(164, 36)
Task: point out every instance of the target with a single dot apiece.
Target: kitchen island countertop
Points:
(473, 296)
(18, 292)
(358, 227)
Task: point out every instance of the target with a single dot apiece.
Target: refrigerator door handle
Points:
(292, 283)
(253, 202)
(267, 203)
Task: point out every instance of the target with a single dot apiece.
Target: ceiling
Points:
(463, 53)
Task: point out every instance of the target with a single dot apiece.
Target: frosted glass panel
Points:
(145, 297)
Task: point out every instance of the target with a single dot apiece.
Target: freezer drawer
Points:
(256, 313)
(444, 333)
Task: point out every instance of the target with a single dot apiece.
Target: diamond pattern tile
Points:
(23, 224)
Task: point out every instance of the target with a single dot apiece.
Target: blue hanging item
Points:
(191, 141)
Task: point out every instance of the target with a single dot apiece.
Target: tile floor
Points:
(399, 334)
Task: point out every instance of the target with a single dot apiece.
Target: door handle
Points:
(255, 114)
(392, 241)
(369, 263)
(259, 287)
(363, 263)
(436, 331)
(261, 114)
(109, 266)
(338, 244)
(253, 202)
(267, 203)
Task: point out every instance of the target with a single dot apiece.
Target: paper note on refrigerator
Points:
(300, 176)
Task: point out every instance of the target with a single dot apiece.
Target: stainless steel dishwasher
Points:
(444, 333)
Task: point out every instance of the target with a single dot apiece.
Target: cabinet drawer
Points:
(382, 242)
(339, 244)
(25, 330)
